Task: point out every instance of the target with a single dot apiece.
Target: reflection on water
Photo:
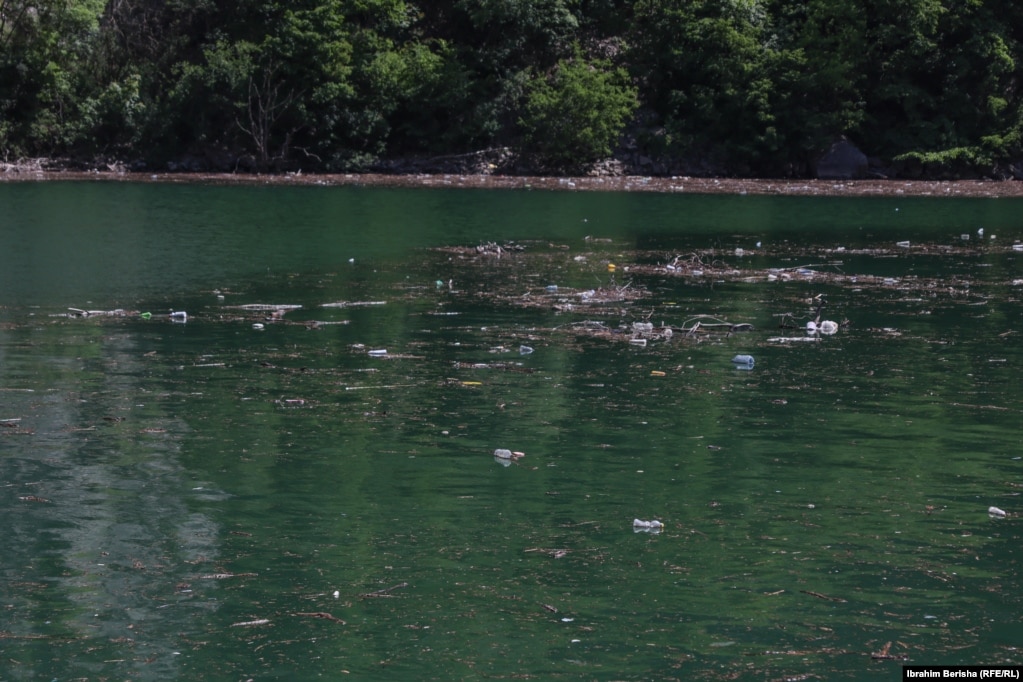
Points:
(97, 518)
(213, 500)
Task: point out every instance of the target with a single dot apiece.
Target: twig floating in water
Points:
(386, 592)
(250, 623)
(822, 596)
(321, 614)
(224, 576)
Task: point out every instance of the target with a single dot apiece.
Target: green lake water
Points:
(206, 500)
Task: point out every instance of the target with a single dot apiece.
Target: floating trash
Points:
(904, 244)
(504, 453)
(146, 316)
(746, 360)
(996, 513)
(525, 350)
(378, 353)
(552, 288)
(179, 316)
(827, 327)
(637, 342)
(641, 526)
(258, 326)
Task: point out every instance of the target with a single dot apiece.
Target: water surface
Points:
(206, 500)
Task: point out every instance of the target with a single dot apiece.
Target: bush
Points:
(575, 115)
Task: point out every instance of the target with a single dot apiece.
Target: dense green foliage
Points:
(726, 86)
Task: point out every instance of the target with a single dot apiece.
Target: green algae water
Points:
(296, 481)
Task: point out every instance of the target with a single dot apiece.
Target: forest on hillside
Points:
(726, 87)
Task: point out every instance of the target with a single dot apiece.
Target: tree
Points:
(48, 84)
(702, 69)
(575, 115)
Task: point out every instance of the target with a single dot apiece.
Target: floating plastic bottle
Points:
(641, 526)
(827, 327)
(746, 360)
(505, 455)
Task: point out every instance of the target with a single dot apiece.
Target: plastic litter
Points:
(378, 353)
(997, 513)
(745, 360)
(258, 326)
(827, 327)
(179, 316)
(641, 526)
(505, 454)
(525, 350)
(146, 316)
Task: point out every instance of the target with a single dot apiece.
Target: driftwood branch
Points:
(386, 592)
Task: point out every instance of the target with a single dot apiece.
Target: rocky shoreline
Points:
(609, 183)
